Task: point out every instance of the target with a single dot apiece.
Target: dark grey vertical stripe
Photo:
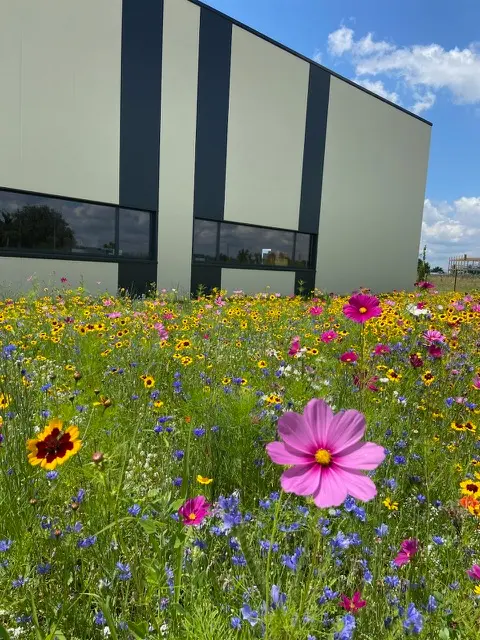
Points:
(141, 74)
(212, 115)
(314, 150)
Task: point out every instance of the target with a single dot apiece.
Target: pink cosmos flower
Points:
(328, 336)
(362, 307)
(476, 308)
(476, 383)
(432, 335)
(194, 510)
(435, 351)
(162, 332)
(349, 356)
(381, 348)
(325, 454)
(423, 284)
(107, 302)
(458, 306)
(354, 604)
(63, 280)
(474, 572)
(115, 314)
(294, 346)
(408, 549)
(315, 311)
(467, 298)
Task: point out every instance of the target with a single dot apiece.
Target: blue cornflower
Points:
(51, 475)
(19, 582)
(291, 562)
(454, 586)
(399, 460)
(45, 413)
(382, 530)
(79, 497)
(392, 581)
(170, 578)
(199, 432)
(178, 454)
(348, 628)
(249, 615)
(84, 543)
(340, 542)
(438, 540)
(5, 545)
(99, 619)
(124, 572)
(215, 429)
(239, 561)
(431, 604)
(278, 598)
(421, 498)
(134, 510)
(390, 483)
(43, 569)
(46, 387)
(236, 623)
(414, 620)
(264, 504)
(177, 482)
(328, 594)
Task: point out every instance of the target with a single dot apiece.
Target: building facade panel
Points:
(373, 190)
(266, 133)
(252, 281)
(20, 274)
(177, 143)
(60, 113)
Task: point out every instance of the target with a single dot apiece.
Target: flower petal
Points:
(332, 490)
(303, 480)
(279, 453)
(367, 455)
(318, 416)
(346, 429)
(358, 485)
(294, 430)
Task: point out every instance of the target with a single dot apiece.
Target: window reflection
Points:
(134, 233)
(35, 223)
(249, 246)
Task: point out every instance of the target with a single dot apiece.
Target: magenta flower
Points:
(328, 336)
(361, 307)
(294, 346)
(194, 510)
(325, 454)
(435, 351)
(349, 356)
(476, 383)
(432, 336)
(380, 349)
(423, 284)
(474, 572)
(408, 549)
(316, 311)
(352, 605)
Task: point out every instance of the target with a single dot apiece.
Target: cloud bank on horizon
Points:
(413, 77)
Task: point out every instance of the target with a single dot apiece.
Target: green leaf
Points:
(179, 541)
(138, 629)
(149, 526)
(3, 633)
(444, 634)
(56, 634)
(176, 504)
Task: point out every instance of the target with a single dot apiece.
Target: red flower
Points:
(361, 308)
(354, 604)
(415, 360)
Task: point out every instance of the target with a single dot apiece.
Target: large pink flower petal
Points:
(332, 490)
(296, 433)
(346, 429)
(303, 480)
(318, 416)
(358, 485)
(279, 453)
(367, 455)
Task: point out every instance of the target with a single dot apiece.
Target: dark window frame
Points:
(86, 257)
(236, 265)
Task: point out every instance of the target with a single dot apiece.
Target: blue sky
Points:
(421, 54)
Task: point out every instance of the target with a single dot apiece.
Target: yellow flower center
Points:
(363, 309)
(191, 516)
(323, 457)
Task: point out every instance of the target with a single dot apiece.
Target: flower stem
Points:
(269, 559)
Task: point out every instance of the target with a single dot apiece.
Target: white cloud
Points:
(423, 69)
(377, 86)
(317, 56)
(451, 229)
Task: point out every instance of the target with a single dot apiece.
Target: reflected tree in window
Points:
(35, 227)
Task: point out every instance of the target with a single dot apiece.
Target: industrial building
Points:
(160, 141)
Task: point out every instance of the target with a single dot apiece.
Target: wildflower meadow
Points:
(235, 467)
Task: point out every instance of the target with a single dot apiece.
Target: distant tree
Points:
(437, 270)
(35, 227)
(423, 267)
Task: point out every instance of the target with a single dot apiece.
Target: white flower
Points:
(415, 311)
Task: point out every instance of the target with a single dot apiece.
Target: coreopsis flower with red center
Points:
(325, 454)
(53, 446)
(354, 604)
(408, 549)
(349, 356)
(362, 307)
(194, 510)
